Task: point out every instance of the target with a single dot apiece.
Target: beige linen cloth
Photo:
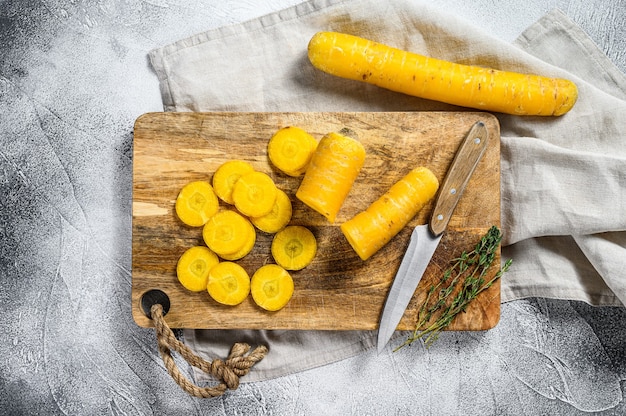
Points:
(563, 179)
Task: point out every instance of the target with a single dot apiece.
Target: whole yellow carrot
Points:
(368, 231)
(488, 89)
(331, 173)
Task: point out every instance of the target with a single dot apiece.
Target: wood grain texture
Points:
(338, 291)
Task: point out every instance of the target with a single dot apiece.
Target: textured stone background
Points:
(74, 75)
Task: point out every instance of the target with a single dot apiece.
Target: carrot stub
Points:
(332, 171)
(489, 89)
(254, 194)
(196, 203)
(370, 230)
(278, 217)
(228, 283)
(193, 268)
(225, 177)
(229, 234)
(271, 287)
(290, 150)
(294, 247)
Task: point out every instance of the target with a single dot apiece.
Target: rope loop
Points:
(237, 364)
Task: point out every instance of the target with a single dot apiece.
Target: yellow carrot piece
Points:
(227, 233)
(332, 171)
(246, 249)
(271, 287)
(193, 268)
(254, 194)
(225, 177)
(489, 89)
(228, 283)
(290, 150)
(368, 231)
(279, 216)
(294, 247)
(196, 203)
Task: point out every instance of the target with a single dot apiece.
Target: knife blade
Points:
(425, 238)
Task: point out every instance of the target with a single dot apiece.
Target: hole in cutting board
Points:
(154, 297)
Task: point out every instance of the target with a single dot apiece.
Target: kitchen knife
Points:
(425, 238)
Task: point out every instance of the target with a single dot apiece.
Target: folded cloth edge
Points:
(158, 56)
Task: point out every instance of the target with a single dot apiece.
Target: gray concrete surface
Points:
(74, 75)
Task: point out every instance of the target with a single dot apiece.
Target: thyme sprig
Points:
(469, 272)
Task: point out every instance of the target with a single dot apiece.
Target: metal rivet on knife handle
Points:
(459, 173)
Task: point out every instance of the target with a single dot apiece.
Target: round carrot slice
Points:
(271, 287)
(193, 268)
(196, 203)
(278, 217)
(254, 194)
(228, 283)
(245, 250)
(294, 247)
(228, 232)
(290, 150)
(225, 177)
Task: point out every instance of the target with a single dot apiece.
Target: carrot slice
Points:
(193, 268)
(332, 171)
(228, 233)
(226, 175)
(368, 231)
(271, 287)
(254, 194)
(294, 247)
(279, 216)
(196, 203)
(290, 150)
(246, 249)
(228, 283)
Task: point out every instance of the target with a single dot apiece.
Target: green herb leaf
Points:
(470, 269)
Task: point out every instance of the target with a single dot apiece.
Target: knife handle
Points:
(463, 165)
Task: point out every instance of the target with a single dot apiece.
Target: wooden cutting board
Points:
(338, 291)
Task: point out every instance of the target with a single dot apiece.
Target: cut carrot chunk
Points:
(279, 216)
(368, 231)
(228, 283)
(332, 171)
(196, 203)
(271, 287)
(294, 247)
(193, 268)
(290, 150)
(254, 194)
(227, 233)
(225, 177)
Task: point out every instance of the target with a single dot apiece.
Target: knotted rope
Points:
(228, 372)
